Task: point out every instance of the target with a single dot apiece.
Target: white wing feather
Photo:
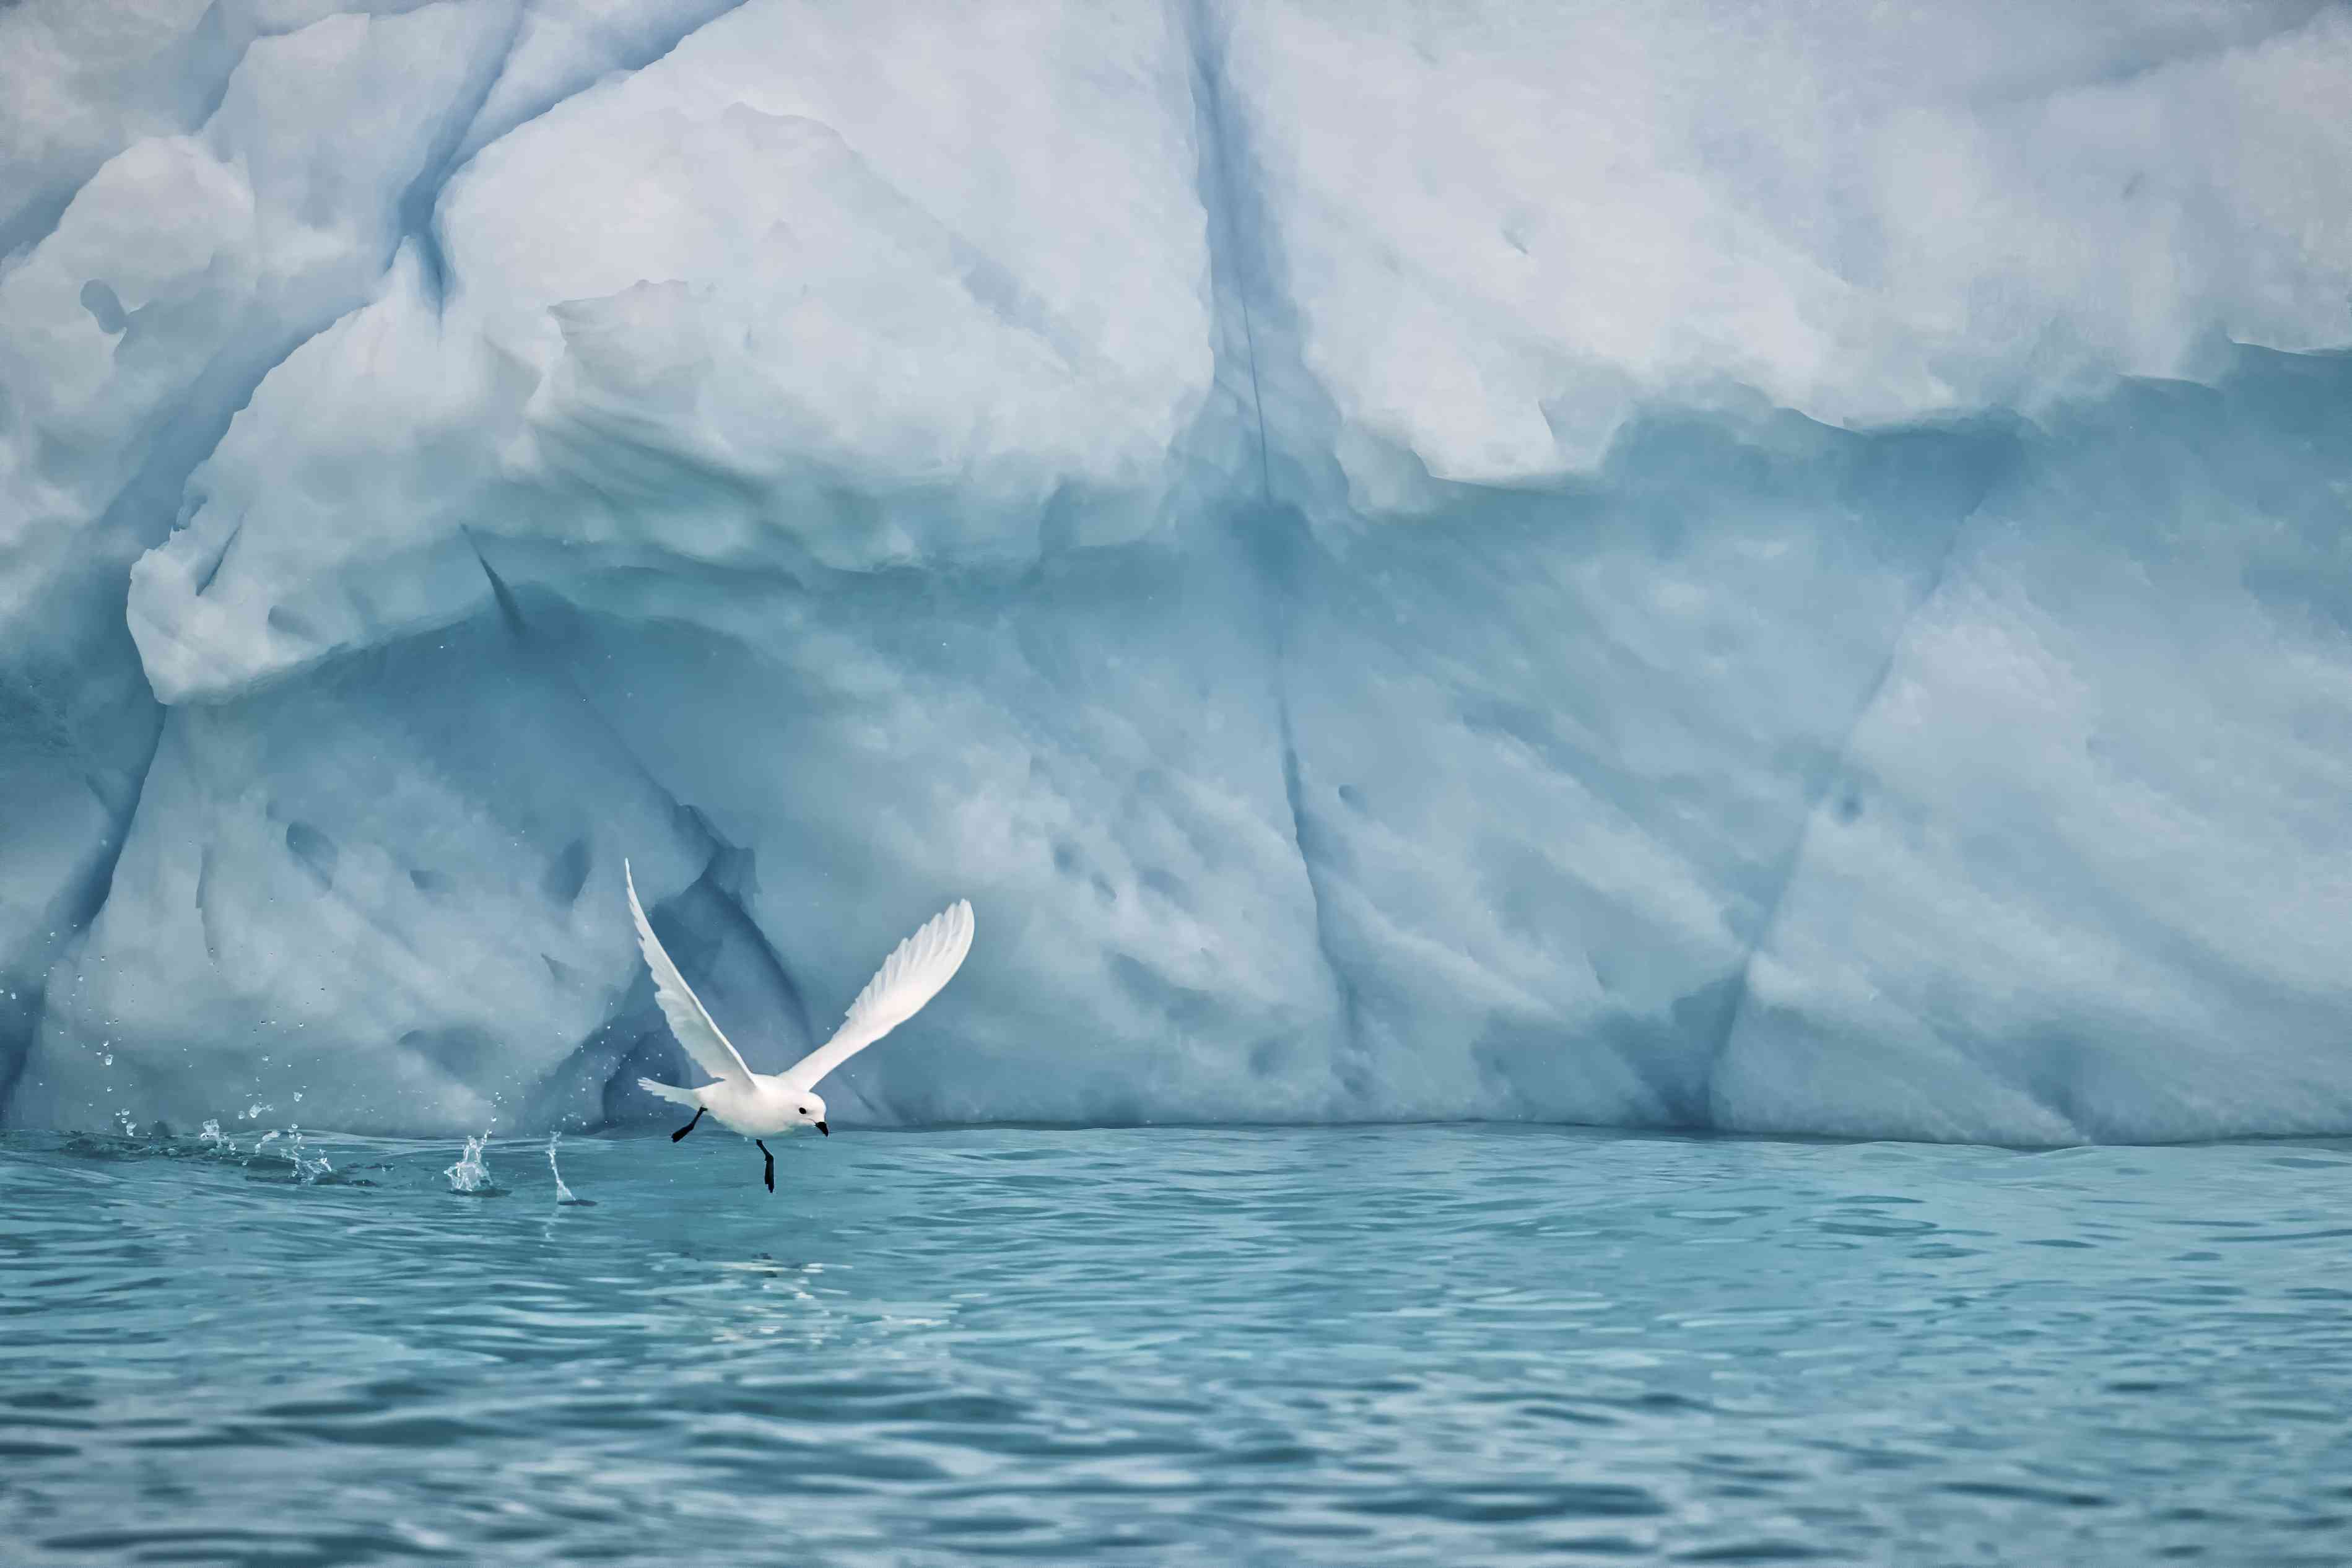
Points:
(908, 978)
(688, 1020)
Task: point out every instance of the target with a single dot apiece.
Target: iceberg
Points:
(1647, 565)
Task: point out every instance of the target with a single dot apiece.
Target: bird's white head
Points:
(808, 1108)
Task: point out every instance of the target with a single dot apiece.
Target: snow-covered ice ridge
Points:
(1779, 568)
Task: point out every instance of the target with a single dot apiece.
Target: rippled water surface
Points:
(1459, 1346)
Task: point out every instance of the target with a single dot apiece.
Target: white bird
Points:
(757, 1104)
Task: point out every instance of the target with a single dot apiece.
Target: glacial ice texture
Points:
(1688, 563)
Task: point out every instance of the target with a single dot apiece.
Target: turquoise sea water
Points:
(1338, 1346)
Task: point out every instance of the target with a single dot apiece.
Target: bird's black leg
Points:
(772, 1165)
(689, 1126)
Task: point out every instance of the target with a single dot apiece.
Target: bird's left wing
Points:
(908, 978)
(688, 1020)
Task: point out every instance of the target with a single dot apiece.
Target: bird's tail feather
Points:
(669, 1092)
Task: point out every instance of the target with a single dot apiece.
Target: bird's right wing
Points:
(910, 978)
(688, 1020)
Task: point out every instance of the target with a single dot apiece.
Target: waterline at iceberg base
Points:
(1387, 615)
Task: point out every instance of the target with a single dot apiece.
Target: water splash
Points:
(256, 1109)
(562, 1193)
(308, 1168)
(216, 1141)
(469, 1174)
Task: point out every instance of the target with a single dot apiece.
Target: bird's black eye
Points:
(803, 1111)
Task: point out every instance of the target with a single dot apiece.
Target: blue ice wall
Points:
(1663, 565)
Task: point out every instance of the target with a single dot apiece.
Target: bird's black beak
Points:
(824, 1129)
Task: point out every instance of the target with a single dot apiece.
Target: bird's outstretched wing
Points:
(910, 978)
(688, 1020)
